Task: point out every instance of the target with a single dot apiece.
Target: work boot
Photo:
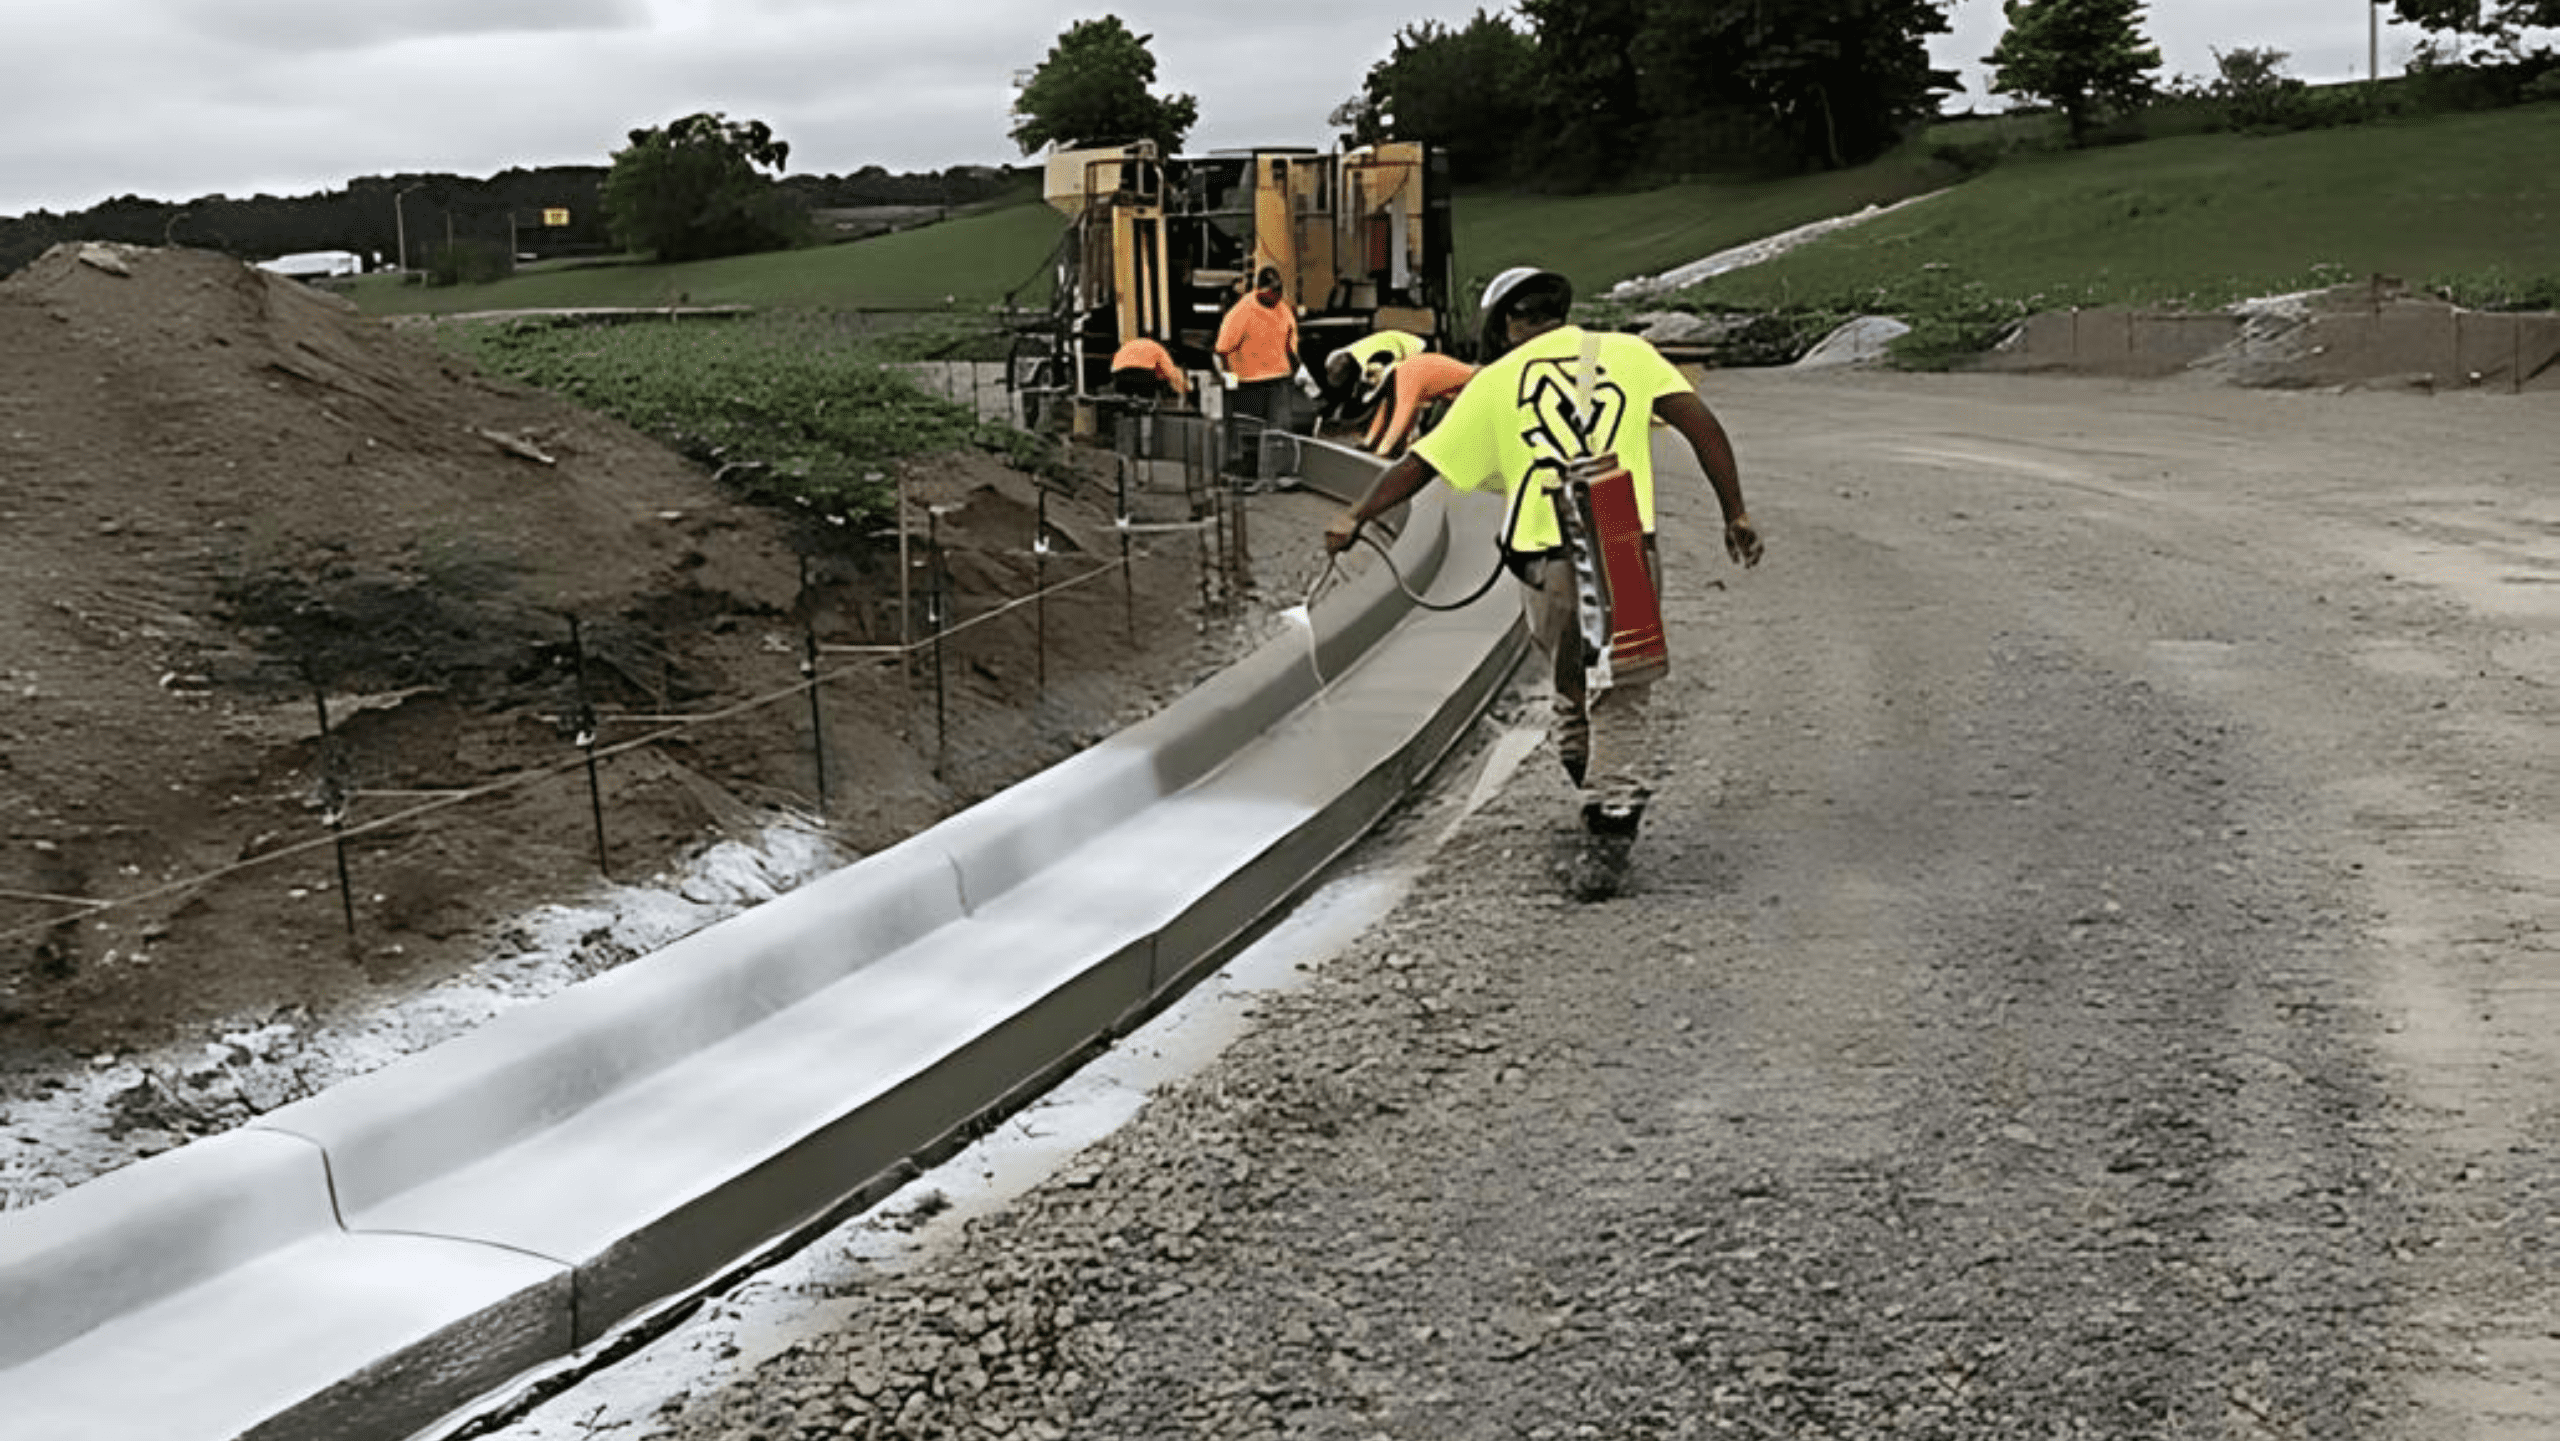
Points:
(1598, 868)
(1612, 818)
(1576, 762)
(1597, 871)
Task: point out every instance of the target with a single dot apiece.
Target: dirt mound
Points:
(231, 501)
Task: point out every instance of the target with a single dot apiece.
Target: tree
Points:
(1466, 92)
(2084, 57)
(1092, 90)
(2502, 21)
(2253, 89)
(1836, 80)
(690, 190)
(1592, 122)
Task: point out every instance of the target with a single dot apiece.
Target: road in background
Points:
(2092, 976)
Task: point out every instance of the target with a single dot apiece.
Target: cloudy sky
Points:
(177, 99)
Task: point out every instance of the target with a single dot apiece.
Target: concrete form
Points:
(359, 1263)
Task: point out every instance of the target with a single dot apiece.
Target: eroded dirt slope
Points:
(227, 499)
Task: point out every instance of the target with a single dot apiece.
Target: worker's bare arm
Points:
(1698, 425)
(1399, 483)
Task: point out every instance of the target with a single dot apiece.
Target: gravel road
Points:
(2094, 977)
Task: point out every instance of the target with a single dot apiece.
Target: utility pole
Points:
(400, 223)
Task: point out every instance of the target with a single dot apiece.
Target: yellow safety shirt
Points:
(1516, 424)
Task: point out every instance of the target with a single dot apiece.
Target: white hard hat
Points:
(1505, 293)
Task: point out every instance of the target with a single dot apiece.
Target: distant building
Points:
(315, 264)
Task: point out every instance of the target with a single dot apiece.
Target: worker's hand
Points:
(1742, 541)
(1339, 536)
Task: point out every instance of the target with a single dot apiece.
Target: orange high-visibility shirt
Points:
(1419, 380)
(1145, 354)
(1258, 340)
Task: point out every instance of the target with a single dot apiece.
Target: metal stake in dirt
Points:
(1128, 573)
(937, 602)
(809, 676)
(1040, 600)
(1240, 575)
(906, 604)
(586, 723)
(333, 800)
(1200, 495)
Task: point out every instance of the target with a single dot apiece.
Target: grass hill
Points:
(2466, 203)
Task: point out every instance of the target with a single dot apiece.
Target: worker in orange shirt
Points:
(1144, 370)
(1352, 373)
(1408, 388)
(1257, 351)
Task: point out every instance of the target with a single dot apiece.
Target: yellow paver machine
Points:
(1161, 247)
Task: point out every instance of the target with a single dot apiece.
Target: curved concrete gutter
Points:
(362, 1262)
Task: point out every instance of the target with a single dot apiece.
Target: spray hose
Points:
(1303, 613)
(1333, 568)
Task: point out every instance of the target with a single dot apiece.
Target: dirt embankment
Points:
(231, 501)
(2368, 336)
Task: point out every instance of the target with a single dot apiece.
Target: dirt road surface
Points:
(2093, 977)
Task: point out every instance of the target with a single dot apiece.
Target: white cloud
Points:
(285, 26)
(174, 99)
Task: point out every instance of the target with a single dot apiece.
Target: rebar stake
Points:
(333, 800)
(939, 603)
(1040, 603)
(587, 725)
(809, 676)
(1128, 573)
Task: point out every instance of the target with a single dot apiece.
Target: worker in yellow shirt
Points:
(1354, 374)
(1143, 369)
(1550, 396)
(1407, 389)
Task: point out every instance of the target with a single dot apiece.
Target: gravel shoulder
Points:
(2092, 978)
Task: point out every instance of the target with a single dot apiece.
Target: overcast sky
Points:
(177, 99)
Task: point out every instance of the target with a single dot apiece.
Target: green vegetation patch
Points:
(787, 407)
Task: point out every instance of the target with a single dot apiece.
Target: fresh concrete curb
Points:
(362, 1262)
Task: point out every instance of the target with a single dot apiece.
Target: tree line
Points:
(451, 223)
(1574, 93)
(1595, 92)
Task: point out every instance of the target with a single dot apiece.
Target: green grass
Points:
(2471, 202)
(788, 405)
(1599, 240)
(966, 263)
(2463, 203)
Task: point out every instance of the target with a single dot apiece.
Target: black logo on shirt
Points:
(1556, 429)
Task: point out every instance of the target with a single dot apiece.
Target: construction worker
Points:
(1257, 350)
(1556, 394)
(1352, 374)
(1414, 383)
(1142, 369)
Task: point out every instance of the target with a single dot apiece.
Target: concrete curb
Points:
(365, 1261)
